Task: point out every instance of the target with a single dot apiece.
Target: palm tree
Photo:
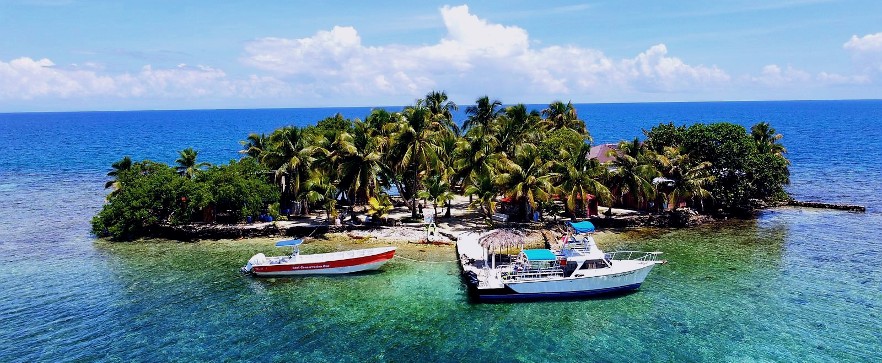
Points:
(447, 158)
(688, 179)
(360, 162)
(437, 190)
(442, 110)
(380, 205)
(255, 145)
(474, 155)
(559, 115)
(482, 114)
(187, 164)
(414, 150)
(475, 150)
(526, 178)
(632, 171)
(381, 123)
(580, 178)
(118, 167)
(767, 140)
(517, 126)
(485, 190)
(320, 188)
(292, 154)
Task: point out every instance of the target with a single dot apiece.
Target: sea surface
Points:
(793, 285)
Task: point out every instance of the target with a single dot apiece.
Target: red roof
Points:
(601, 152)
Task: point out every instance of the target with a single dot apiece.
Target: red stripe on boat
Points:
(363, 260)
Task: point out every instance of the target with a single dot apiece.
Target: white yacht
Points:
(580, 268)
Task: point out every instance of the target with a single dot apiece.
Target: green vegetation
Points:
(536, 160)
(721, 165)
(149, 194)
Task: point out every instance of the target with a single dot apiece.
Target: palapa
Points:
(501, 238)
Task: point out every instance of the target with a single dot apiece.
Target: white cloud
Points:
(655, 70)
(867, 43)
(25, 79)
(474, 57)
(773, 76)
(866, 52)
(838, 79)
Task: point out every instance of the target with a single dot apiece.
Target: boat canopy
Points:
(540, 255)
(290, 242)
(582, 227)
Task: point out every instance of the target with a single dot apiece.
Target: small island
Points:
(506, 164)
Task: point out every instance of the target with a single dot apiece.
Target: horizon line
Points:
(402, 106)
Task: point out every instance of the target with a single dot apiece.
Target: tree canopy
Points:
(535, 159)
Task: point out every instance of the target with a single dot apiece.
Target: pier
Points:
(821, 205)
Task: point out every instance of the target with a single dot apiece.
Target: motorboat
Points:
(317, 264)
(578, 269)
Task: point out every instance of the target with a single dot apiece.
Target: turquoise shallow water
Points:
(794, 285)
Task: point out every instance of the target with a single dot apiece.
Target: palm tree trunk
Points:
(523, 210)
(413, 211)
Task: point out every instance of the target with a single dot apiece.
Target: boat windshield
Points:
(595, 264)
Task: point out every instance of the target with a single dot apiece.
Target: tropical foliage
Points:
(534, 160)
(151, 194)
(721, 165)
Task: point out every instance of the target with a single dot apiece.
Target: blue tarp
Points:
(582, 227)
(290, 242)
(540, 255)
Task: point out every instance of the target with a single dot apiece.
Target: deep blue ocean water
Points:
(792, 285)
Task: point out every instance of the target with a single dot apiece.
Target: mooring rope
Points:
(424, 261)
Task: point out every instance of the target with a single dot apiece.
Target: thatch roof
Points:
(502, 238)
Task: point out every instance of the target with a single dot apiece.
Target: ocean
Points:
(792, 285)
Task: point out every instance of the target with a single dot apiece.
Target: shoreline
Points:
(448, 229)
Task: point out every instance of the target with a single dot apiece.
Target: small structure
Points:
(500, 239)
(603, 153)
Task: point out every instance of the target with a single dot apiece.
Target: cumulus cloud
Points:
(867, 43)
(473, 55)
(25, 79)
(866, 52)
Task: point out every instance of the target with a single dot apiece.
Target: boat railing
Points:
(509, 273)
(634, 255)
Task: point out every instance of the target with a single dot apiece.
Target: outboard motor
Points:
(258, 259)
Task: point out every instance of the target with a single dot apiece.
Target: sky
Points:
(70, 55)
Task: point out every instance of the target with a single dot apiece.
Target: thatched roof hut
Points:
(502, 239)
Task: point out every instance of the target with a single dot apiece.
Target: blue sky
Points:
(61, 55)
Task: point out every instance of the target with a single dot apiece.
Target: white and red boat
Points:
(317, 264)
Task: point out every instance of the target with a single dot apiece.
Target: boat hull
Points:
(508, 295)
(327, 264)
(613, 282)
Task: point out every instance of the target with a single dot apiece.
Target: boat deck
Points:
(473, 258)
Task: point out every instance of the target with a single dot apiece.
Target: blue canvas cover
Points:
(540, 255)
(582, 227)
(290, 242)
